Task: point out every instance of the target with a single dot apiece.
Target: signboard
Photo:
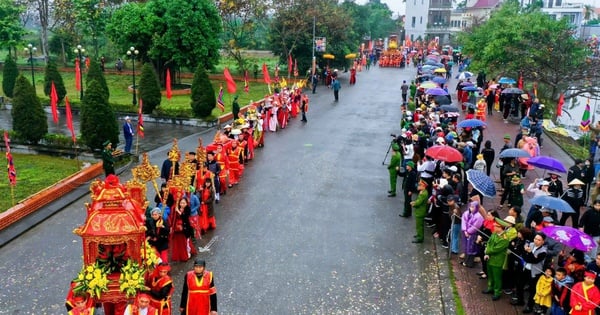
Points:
(320, 44)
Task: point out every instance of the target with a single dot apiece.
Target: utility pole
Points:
(314, 60)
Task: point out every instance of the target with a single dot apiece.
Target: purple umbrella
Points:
(571, 237)
(436, 91)
(547, 163)
(439, 80)
(466, 83)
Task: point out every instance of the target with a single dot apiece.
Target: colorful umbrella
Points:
(552, 203)
(350, 56)
(514, 153)
(471, 123)
(434, 63)
(547, 163)
(440, 70)
(506, 80)
(328, 56)
(571, 237)
(493, 86)
(469, 88)
(439, 80)
(428, 85)
(585, 119)
(444, 153)
(512, 91)
(465, 75)
(482, 183)
(466, 83)
(436, 91)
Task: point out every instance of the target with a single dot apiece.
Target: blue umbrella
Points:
(439, 80)
(552, 203)
(471, 123)
(482, 183)
(451, 108)
(506, 80)
(514, 153)
(547, 163)
(464, 75)
(436, 91)
(470, 88)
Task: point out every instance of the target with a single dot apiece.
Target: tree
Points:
(12, 31)
(98, 121)
(531, 42)
(90, 18)
(52, 75)
(95, 74)
(149, 89)
(203, 94)
(169, 33)
(29, 118)
(9, 76)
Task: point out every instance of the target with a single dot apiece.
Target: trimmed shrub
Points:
(52, 75)
(29, 118)
(95, 74)
(98, 121)
(149, 89)
(9, 76)
(203, 94)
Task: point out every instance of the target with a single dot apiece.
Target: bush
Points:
(203, 94)
(52, 75)
(29, 118)
(149, 89)
(98, 122)
(95, 74)
(9, 76)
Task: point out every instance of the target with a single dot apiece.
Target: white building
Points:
(427, 19)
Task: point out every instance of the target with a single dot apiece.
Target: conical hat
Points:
(576, 182)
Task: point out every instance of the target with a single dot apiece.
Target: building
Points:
(428, 19)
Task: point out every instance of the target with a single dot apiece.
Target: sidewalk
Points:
(467, 282)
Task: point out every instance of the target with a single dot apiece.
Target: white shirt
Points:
(128, 311)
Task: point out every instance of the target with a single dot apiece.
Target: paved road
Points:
(308, 231)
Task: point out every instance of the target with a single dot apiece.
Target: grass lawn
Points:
(34, 173)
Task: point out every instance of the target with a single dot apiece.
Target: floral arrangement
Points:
(132, 278)
(92, 279)
(149, 256)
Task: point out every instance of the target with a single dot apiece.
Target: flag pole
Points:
(12, 194)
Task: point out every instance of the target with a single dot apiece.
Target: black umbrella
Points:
(442, 100)
(512, 91)
(449, 108)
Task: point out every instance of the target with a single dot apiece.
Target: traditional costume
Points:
(585, 297)
(161, 290)
(199, 295)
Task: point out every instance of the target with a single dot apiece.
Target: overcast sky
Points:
(397, 6)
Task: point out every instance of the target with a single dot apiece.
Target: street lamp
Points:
(79, 51)
(31, 49)
(132, 52)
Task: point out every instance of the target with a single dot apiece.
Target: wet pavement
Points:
(309, 230)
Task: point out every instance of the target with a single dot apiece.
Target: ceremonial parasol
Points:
(328, 56)
(351, 56)
(444, 153)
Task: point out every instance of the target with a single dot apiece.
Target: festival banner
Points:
(220, 102)
(585, 120)
(140, 124)
(246, 82)
(12, 173)
(561, 103)
(296, 71)
(77, 75)
(520, 81)
(290, 64)
(54, 103)
(168, 83)
(70, 119)
(266, 75)
(231, 86)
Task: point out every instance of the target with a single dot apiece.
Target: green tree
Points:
(149, 89)
(29, 118)
(95, 74)
(203, 94)
(12, 31)
(9, 76)
(98, 121)
(169, 33)
(52, 75)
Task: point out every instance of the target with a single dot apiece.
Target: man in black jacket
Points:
(409, 185)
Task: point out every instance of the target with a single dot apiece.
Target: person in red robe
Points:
(223, 160)
(199, 294)
(141, 306)
(181, 230)
(81, 305)
(352, 76)
(71, 297)
(207, 219)
(585, 296)
(234, 164)
(161, 289)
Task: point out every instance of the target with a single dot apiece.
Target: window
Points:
(414, 21)
(421, 20)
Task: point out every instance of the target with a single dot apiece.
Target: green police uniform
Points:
(393, 167)
(496, 250)
(108, 161)
(420, 210)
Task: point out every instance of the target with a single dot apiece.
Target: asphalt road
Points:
(309, 230)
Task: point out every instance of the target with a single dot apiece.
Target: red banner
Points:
(12, 173)
(77, 75)
(231, 86)
(559, 106)
(220, 102)
(54, 103)
(168, 83)
(290, 64)
(266, 74)
(140, 124)
(246, 82)
(70, 119)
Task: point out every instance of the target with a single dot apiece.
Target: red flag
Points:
(220, 102)
(535, 89)
(77, 75)
(231, 86)
(290, 64)
(520, 82)
(246, 82)
(140, 124)
(561, 102)
(12, 173)
(266, 74)
(168, 83)
(54, 102)
(295, 67)
(70, 119)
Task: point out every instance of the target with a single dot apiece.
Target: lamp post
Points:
(79, 51)
(31, 49)
(132, 52)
